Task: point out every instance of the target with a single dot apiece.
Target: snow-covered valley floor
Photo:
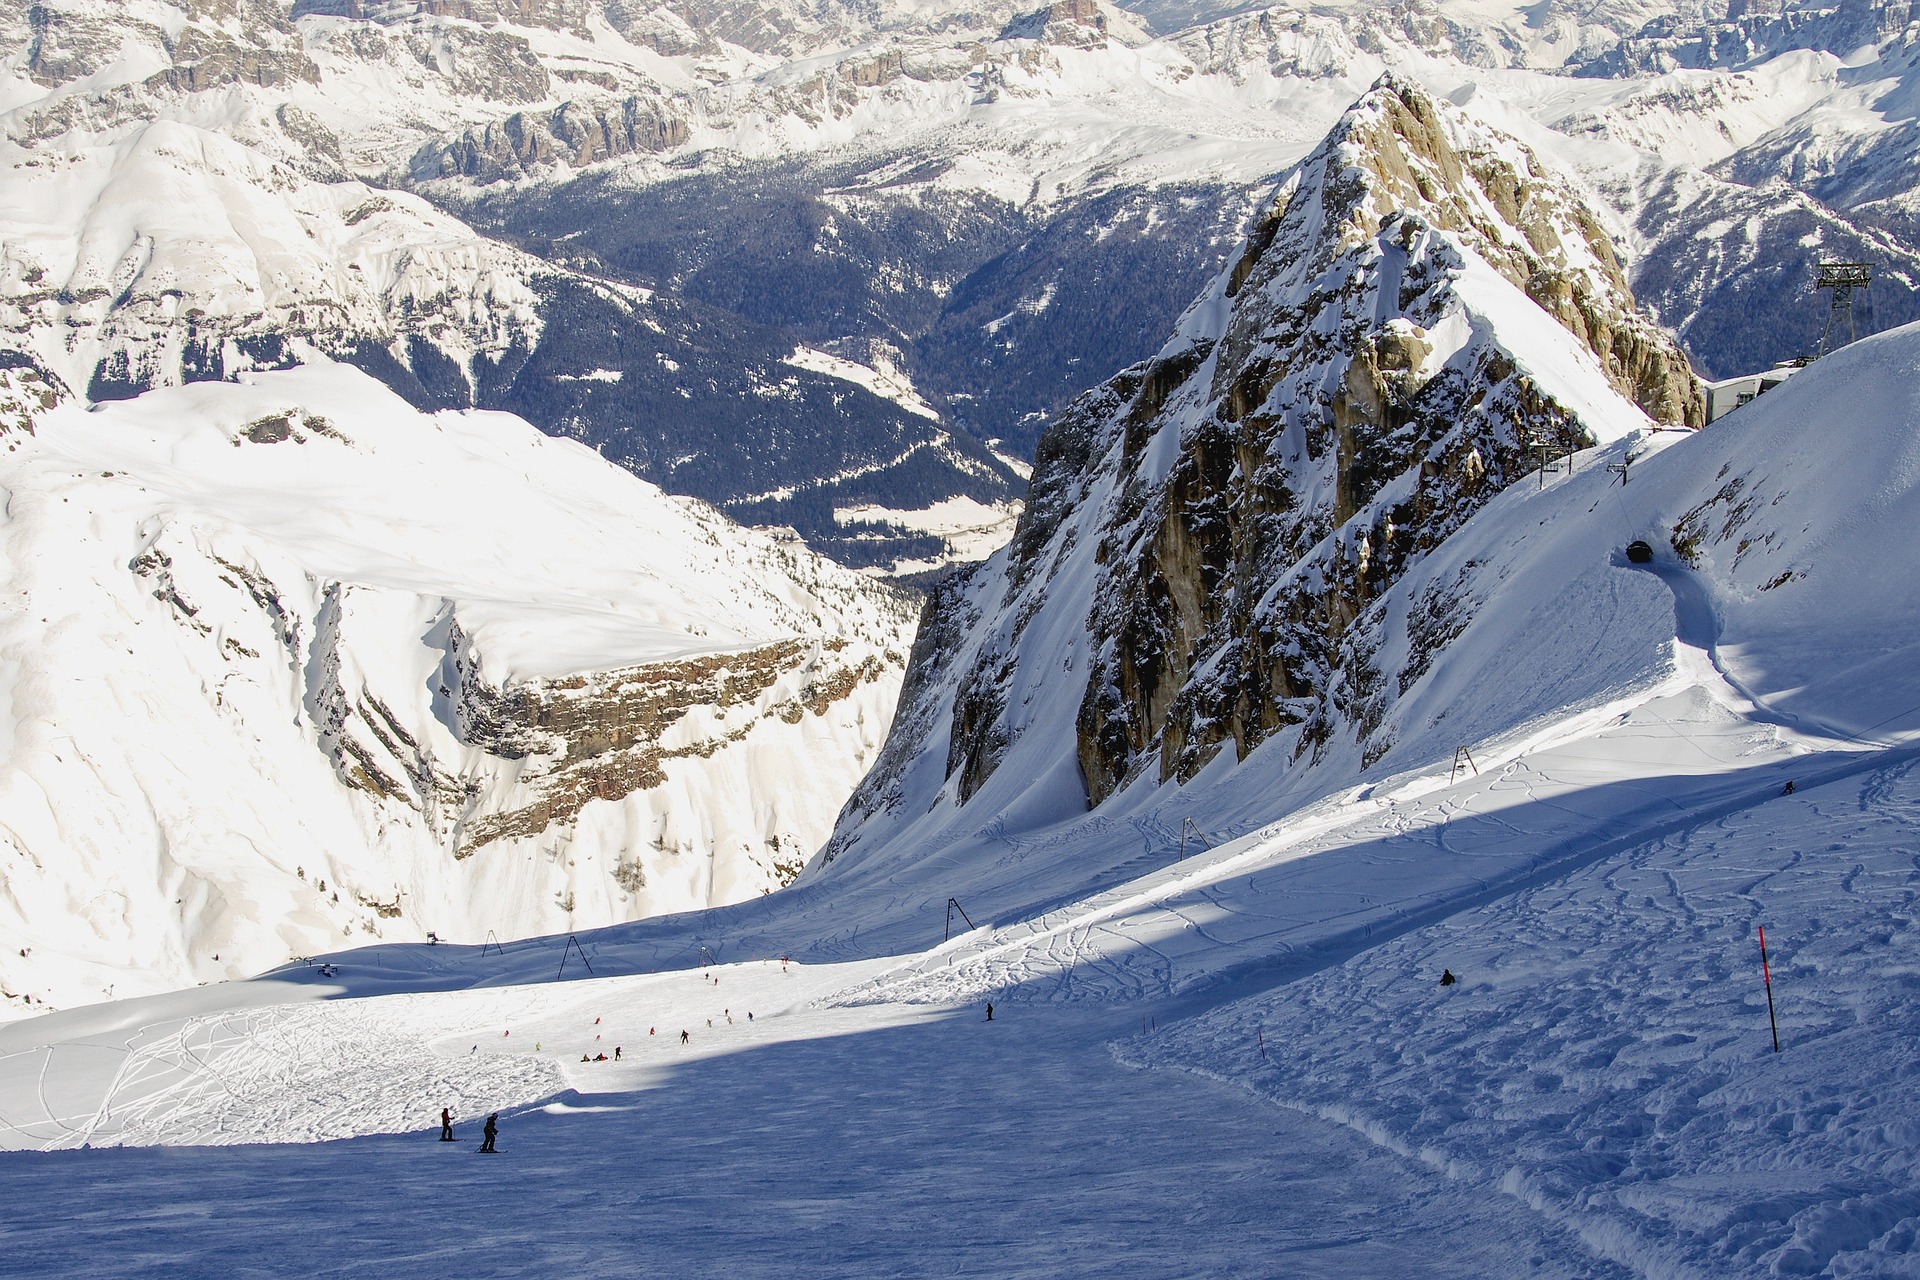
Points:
(937, 1145)
(1597, 1097)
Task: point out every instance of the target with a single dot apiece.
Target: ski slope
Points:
(1234, 1063)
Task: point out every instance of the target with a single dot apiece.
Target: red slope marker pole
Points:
(1767, 973)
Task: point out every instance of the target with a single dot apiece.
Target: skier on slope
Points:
(446, 1125)
(989, 1011)
(492, 1128)
(683, 1037)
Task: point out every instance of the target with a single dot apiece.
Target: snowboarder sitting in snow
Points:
(446, 1125)
(1446, 978)
(492, 1128)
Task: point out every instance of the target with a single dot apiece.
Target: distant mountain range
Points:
(644, 212)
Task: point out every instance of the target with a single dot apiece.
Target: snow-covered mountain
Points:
(1758, 147)
(292, 664)
(1322, 662)
(988, 209)
(1596, 1095)
(1212, 539)
(181, 209)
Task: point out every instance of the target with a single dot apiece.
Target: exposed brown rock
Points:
(1268, 485)
(602, 737)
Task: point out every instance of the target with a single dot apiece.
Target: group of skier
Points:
(488, 1131)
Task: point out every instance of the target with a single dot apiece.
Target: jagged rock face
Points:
(1345, 423)
(575, 134)
(1747, 33)
(607, 735)
(223, 42)
(1083, 24)
(1319, 40)
(25, 393)
(1425, 306)
(559, 15)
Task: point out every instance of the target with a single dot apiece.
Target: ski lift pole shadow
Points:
(1766, 972)
(572, 945)
(953, 905)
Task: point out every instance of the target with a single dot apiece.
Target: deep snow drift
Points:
(288, 663)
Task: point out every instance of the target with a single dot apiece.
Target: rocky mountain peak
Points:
(1083, 23)
(560, 15)
(1401, 156)
(1378, 377)
(1210, 535)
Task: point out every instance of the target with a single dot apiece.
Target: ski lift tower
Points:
(1843, 278)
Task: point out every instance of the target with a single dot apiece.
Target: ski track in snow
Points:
(1630, 1078)
(1606, 1057)
(288, 1073)
(769, 1161)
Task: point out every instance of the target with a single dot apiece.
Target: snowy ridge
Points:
(172, 251)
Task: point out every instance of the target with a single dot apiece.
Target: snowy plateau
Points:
(1310, 811)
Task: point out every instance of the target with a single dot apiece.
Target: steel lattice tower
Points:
(1843, 278)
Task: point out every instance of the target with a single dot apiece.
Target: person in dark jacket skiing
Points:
(989, 1011)
(446, 1125)
(492, 1128)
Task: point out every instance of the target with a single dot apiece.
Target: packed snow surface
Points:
(1233, 1062)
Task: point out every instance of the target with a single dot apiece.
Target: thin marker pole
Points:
(1767, 973)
